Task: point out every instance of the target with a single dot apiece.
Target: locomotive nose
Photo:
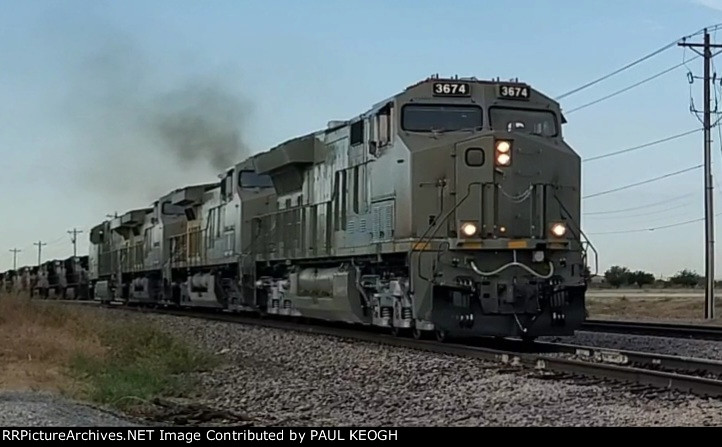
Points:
(503, 185)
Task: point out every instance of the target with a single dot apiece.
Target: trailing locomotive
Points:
(65, 279)
(451, 208)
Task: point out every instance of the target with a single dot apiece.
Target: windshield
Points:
(535, 122)
(249, 179)
(427, 118)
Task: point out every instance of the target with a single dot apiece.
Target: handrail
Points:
(596, 255)
(581, 234)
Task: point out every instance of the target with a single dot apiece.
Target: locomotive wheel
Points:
(417, 333)
(441, 335)
(398, 331)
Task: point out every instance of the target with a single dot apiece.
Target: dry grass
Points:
(635, 305)
(82, 352)
(38, 341)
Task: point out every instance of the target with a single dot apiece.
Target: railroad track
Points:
(655, 371)
(654, 329)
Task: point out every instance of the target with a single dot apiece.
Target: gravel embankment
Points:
(27, 409)
(662, 345)
(285, 378)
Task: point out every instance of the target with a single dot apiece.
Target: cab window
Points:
(440, 118)
(249, 179)
(534, 122)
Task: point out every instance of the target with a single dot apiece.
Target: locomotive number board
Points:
(514, 91)
(452, 89)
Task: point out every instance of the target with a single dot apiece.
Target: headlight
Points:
(503, 146)
(502, 153)
(468, 229)
(503, 159)
(558, 229)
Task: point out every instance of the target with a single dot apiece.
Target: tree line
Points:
(618, 276)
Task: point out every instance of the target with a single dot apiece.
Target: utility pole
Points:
(709, 300)
(15, 252)
(74, 238)
(40, 249)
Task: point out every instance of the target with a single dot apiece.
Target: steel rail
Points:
(654, 329)
(666, 362)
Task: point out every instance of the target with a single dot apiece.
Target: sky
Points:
(95, 96)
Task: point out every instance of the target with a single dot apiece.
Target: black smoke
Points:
(140, 129)
(199, 122)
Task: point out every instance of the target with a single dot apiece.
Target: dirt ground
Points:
(657, 305)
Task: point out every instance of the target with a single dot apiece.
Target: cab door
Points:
(473, 186)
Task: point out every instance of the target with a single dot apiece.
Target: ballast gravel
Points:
(28, 409)
(278, 377)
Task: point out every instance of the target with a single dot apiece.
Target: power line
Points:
(619, 92)
(55, 241)
(678, 224)
(626, 67)
(649, 213)
(636, 62)
(642, 183)
(661, 202)
(642, 146)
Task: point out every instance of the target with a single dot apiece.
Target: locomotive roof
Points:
(335, 124)
(206, 185)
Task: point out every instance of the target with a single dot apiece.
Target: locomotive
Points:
(449, 209)
(65, 279)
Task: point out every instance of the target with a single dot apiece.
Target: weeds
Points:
(84, 353)
(141, 363)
